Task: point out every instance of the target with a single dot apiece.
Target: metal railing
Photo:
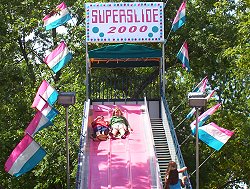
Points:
(175, 140)
(126, 87)
(83, 144)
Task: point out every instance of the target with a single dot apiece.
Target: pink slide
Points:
(120, 163)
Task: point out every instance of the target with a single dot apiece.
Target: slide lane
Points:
(120, 163)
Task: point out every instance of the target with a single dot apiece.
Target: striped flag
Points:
(47, 92)
(47, 110)
(214, 136)
(57, 17)
(180, 17)
(210, 95)
(58, 57)
(24, 157)
(204, 117)
(183, 56)
(201, 87)
(38, 123)
(191, 113)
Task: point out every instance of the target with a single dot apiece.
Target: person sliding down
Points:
(100, 128)
(119, 124)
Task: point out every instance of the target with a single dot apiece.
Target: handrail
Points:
(83, 138)
(175, 140)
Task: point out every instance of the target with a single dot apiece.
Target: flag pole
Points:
(87, 71)
(185, 139)
(203, 162)
(168, 35)
(66, 99)
(67, 146)
(197, 148)
(177, 106)
(180, 123)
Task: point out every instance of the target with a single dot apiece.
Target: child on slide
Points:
(119, 124)
(100, 128)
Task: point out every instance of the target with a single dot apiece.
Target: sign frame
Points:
(124, 22)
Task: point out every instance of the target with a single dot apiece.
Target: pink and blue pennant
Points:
(47, 92)
(57, 17)
(214, 136)
(38, 123)
(26, 155)
(47, 110)
(191, 113)
(210, 94)
(180, 17)
(204, 117)
(58, 57)
(201, 87)
(183, 56)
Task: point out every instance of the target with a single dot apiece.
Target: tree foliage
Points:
(218, 36)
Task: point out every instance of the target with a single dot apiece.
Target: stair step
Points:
(163, 161)
(161, 145)
(160, 135)
(159, 138)
(164, 148)
(163, 155)
(158, 131)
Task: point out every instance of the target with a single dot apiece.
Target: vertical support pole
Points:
(163, 54)
(163, 68)
(197, 149)
(67, 147)
(87, 71)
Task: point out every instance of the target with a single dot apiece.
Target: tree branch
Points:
(229, 182)
(21, 43)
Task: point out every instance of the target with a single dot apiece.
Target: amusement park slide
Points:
(122, 163)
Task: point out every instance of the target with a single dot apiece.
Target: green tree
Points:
(218, 34)
(24, 43)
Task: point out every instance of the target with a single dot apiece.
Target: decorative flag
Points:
(58, 57)
(57, 17)
(214, 136)
(204, 117)
(201, 87)
(191, 113)
(210, 94)
(38, 123)
(47, 110)
(47, 92)
(183, 56)
(24, 157)
(180, 17)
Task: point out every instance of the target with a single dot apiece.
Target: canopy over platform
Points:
(125, 55)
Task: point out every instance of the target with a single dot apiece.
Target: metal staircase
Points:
(161, 145)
